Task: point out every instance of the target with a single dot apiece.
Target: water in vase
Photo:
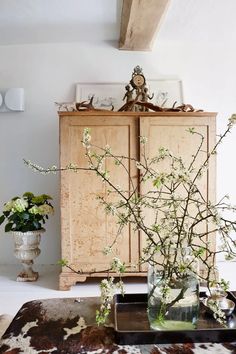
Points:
(180, 309)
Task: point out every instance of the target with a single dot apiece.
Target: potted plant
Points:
(25, 217)
(170, 213)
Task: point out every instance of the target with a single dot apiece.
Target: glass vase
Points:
(173, 302)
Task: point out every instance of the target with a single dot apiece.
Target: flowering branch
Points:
(173, 213)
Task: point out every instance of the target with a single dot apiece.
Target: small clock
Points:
(138, 81)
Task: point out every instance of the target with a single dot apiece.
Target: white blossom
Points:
(86, 138)
(232, 119)
(143, 139)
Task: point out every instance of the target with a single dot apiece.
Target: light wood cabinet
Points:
(85, 228)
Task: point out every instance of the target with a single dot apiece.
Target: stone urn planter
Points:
(26, 250)
(25, 217)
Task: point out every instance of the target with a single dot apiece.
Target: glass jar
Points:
(173, 293)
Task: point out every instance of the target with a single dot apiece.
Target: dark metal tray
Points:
(132, 326)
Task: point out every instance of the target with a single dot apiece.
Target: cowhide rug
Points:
(5, 320)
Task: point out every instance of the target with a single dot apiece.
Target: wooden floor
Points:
(14, 294)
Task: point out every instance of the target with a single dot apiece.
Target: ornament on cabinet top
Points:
(137, 91)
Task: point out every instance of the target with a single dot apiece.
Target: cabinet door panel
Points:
(83, 218)
(172, 133)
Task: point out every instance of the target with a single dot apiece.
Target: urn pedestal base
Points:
(27, 274)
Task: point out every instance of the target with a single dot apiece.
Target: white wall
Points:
(48, 73)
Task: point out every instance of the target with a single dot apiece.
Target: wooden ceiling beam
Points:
(140, 21)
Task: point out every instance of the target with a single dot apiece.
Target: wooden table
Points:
(67, 326)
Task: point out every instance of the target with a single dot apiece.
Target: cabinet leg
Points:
(67, 280)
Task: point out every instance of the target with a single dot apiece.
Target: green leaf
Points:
(38, 200)
(157, 182)
(46, 196)
(63, 262)
(25, 228)
(25, 216)
(191, 130)
(36, 225)
(2, 218)
(15, 198)
(8, 227)
(28, 195)
(13, 217)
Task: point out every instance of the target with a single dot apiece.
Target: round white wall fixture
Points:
(14, 99)
(1, 99)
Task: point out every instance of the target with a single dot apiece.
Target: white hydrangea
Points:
(8, 206)
(20, 204)
(34, 210)
(45, 209)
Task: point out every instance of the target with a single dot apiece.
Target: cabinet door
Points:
(171, 132)
(86, 229)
